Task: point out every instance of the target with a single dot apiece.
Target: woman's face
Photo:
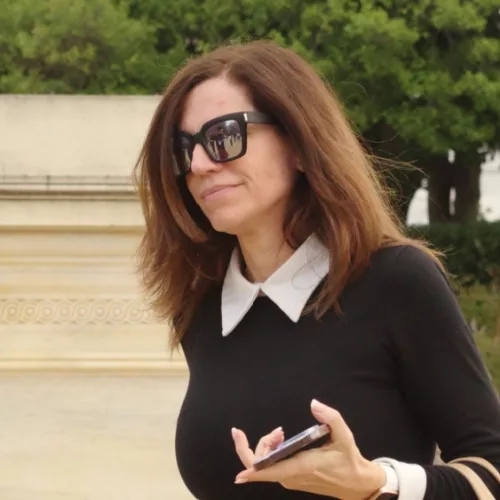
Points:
(250, 193)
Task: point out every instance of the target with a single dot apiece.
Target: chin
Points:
(223, 226)
(226, 223)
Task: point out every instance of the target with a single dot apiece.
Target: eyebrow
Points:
(185, 131)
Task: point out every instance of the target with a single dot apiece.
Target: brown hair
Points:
(339, 197)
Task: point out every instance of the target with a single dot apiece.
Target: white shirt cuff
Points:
(412, 478)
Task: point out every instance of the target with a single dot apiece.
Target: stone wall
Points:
(90, 394)
(70, 223)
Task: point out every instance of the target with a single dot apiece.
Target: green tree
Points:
(418, 79)
(82, 46)
(455, 81)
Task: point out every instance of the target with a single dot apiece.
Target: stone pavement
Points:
(88, 436)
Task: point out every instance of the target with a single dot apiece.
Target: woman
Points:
(286, 280)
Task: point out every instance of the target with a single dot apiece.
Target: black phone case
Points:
(305, 443)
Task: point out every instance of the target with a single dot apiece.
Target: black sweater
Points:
(399, 364)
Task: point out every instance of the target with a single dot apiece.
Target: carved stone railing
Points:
(69, 292)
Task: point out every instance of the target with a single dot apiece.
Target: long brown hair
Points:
(339, 197)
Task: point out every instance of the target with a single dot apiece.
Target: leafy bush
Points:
(481, 307)
(472, 250)
(490, 351)
(472, 256)
(82, 46)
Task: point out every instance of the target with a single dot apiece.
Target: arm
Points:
(442, 375)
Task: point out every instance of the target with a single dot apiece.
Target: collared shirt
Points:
(289, 287)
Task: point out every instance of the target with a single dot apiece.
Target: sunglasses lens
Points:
(224, 140)
(184, 155)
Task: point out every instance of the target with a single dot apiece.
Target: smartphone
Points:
(293, 445)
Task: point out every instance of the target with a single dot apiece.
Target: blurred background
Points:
(89, 392)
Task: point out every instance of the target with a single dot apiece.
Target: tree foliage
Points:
(418, 79)
(82, 46)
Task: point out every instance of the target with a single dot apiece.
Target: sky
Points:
(490, 196)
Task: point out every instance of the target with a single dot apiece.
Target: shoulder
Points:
(411, 275)
(415, 290)
(403, 265)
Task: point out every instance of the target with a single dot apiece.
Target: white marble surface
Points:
(68, 436)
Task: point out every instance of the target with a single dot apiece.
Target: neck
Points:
(263, 254)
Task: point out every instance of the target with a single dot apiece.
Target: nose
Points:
(201, 163)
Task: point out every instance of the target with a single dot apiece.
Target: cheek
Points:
(276, 171)
(281, 170)
(191, 185)
(273, 182)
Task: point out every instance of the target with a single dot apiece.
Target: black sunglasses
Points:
(223, 138)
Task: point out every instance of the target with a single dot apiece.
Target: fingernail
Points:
(316, 403)
(233, 432)
(278, 429)
(240, 480)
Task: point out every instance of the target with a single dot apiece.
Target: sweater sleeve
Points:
(442, 376)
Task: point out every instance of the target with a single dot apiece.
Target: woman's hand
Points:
(336, 469)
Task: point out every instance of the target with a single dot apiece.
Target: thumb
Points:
(340, 432)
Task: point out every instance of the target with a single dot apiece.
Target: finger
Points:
(277, 472)
(242, 447)
(269, 442)
(340, 431)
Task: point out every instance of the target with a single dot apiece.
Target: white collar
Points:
(289, 287)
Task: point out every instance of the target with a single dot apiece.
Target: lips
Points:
(216, 189)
